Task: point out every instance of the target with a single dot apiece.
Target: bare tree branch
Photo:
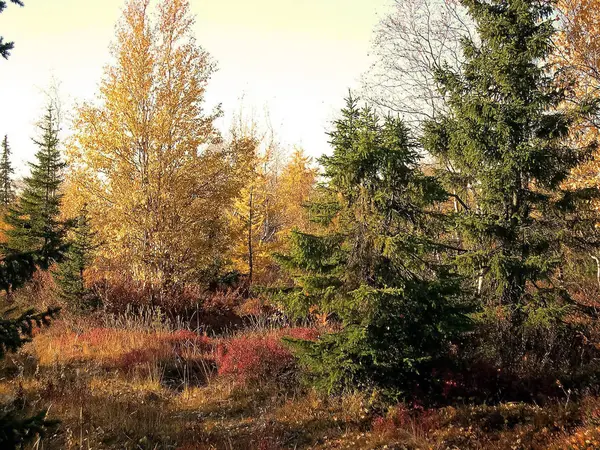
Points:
(417, 38)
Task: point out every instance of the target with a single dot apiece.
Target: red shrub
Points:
(259, 357)
(253, 358)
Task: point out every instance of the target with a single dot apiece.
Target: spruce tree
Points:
(34, 220)
(15, 270)
(372, 267)
(7, 193)
(77, 259)
(504, 144)
(15, 430)
(6, 47)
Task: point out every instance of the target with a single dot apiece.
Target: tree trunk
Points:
(250, 248)
(595, 258)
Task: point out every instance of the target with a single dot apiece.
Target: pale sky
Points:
(296, 58)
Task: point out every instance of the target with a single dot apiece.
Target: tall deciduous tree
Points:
(7, 193)
(411, 42)
(504, 143)
(577, 50)
(147, 157)
(34, 223)
(577, 55)
(254, 218)
(268, 207)
(371, 265)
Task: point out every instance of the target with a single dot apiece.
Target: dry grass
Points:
(136, 383)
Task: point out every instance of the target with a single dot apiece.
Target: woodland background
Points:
(432, 282)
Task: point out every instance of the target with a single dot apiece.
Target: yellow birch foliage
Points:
(146, 158)
(295, 186)
(269, 206)
(578, 59)
(253, 219)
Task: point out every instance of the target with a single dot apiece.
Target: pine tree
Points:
(78, 258)
(7, 193)
(505, 144)
(6, 47)
(372, 267)
(16, 431)
(15, 270)
(34, 220)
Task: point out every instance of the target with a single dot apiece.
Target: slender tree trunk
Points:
(455, 201)
(595, 258)
(250, 248)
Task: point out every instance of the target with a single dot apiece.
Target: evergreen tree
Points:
(77, 259)
(6, 47)
(15, 270)
(7, 193)
(34, 220)
(373, 267)
(505, 144)
(16, 431)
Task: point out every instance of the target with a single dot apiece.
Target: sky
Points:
(295, 59)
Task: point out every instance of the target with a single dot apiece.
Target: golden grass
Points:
(99, 345)
(81, 373)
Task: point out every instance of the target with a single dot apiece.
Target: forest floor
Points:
(135, 384)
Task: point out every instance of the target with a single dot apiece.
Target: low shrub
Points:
(260, 357)
(117, 295)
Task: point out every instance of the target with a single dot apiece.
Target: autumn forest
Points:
(173, 277)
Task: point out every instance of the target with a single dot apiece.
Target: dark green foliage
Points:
(34, 242)
(15, 432)
(392, 340)
(77, 259)
(16, 332)
(7, 193)
(504, 144)
(34, 220)
(18, 268)
(374, 267)
(6, 47)
(15, 270)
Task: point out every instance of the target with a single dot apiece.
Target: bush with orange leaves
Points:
(582, 440)
(260, 357)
